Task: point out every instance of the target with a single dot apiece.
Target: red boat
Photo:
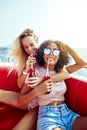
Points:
(76, 97)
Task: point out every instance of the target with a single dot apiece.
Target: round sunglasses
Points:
(55, 52)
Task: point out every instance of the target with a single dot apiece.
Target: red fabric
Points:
(76, 95)
(9, 116)
(8, 81)
(76, 98)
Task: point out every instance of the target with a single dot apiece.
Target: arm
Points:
(27, 95)
(21, 80)
(79, 61)
(62, 75)
(22, 77)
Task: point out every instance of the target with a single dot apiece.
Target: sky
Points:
(64, 20)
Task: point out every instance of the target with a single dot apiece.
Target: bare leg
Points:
(80, 123)
(9, 97)
(28, 122)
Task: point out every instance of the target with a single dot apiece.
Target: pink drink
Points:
(47, 75)
(32, 72)
(46, 78)
(32, 65)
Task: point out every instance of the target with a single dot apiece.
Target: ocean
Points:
(5, 57)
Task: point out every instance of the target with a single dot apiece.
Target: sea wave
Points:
(6, 58)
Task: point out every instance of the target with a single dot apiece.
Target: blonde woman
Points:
(25, 43)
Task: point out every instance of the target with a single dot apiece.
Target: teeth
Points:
(50, 59)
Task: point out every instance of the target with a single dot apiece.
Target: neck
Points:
(51, 67)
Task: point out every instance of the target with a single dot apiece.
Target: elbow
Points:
(67, 75)
(82, 65)
(21, 103)
(85, 64)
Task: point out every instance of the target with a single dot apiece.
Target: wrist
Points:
(35, 92)
(25, 72)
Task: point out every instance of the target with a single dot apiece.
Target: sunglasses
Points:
(47, 51)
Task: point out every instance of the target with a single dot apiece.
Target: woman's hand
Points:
(34, 81)
(44, 87)
(30, 60)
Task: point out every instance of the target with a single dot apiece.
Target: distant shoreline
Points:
(6, 58)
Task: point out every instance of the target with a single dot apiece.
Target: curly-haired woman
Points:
(53, 112)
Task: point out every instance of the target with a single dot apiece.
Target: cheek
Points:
(45, 58)
(57, 59)
(27, 51)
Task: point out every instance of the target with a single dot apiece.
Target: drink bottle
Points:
(31, 72)
(32, 65)
(47, 74)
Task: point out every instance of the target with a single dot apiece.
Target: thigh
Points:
(28, 122)
(80, 123)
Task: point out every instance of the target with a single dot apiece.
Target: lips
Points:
(50, 59)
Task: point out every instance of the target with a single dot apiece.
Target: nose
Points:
(30, 48)
(51, 52)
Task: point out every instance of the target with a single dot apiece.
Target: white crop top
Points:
(57, 91)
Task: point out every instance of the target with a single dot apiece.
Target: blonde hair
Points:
(18, 52)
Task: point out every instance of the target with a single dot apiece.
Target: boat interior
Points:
(75, 97)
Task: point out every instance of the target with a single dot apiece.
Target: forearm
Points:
(60, 76)
(21, 79)
(27, 95)
(79, 61)
(26, 98)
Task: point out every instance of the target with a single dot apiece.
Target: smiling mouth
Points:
(50, 59)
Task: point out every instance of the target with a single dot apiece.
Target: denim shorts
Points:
(50, 117)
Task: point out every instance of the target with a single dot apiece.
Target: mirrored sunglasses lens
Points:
(56, 52)
(46, 51)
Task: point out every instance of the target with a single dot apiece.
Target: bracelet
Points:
(24, 72)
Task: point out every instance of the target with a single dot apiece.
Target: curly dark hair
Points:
(63, 57)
